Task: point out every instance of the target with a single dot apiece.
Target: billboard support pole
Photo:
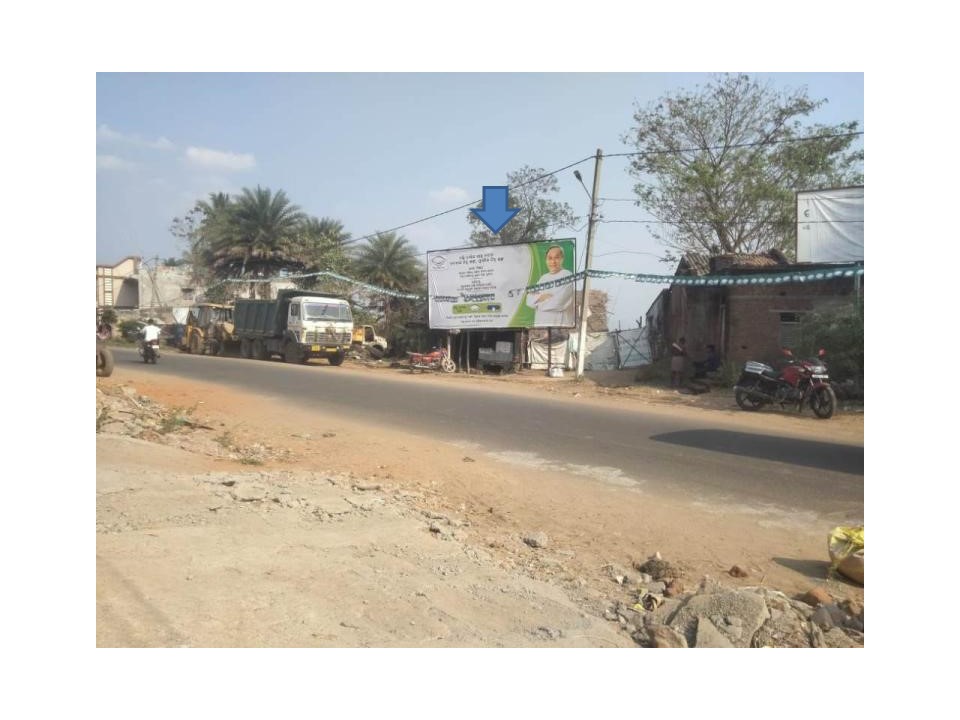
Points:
(591, 225)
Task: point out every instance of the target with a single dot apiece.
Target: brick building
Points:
(757, 310)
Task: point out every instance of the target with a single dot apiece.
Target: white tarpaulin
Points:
(528, 285)
(605, 351)
(830, 225)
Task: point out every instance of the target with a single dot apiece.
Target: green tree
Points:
(254, 236)
(839, 331)
(719, 166)
(539, 217)
(321, 244)
(387, 260)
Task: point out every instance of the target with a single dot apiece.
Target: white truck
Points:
(297, 325)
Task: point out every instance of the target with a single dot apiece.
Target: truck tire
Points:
(104, 362)
(194, 344)
(292, 353)
(337, 359)
(376, 351)
(213, 348)
(246, 348)
(260, 350)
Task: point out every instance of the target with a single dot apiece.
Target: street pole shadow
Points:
(809, 453)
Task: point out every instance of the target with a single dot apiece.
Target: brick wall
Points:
(746, 322)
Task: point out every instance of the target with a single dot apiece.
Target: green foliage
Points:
(720, 165)
(127, 329)
(839, 331)
(321, 244)
(260, 234)
(109, 316)
(389, 261)
(175, 419)
(539, 218)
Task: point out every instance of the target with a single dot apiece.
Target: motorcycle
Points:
(436, 359)
(800, 382)
(150, 351)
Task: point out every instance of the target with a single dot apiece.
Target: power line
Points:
(472, 203)
(757, 143)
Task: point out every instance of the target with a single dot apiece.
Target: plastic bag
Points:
(845, 545)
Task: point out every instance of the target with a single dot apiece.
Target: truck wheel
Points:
(104, 362)
(376, 351)
(260, 350)
(213, 348)
(194, 344)
(338, 358)
(246, 348)
(291, 353)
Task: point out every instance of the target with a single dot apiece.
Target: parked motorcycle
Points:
(436, 359)
(150, 351)
(800, 382)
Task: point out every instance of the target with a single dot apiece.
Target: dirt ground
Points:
(344, 535)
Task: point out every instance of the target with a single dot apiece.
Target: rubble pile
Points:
(122, 411)
(661, 615)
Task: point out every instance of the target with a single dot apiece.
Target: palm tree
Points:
(389, 261)
(321, 245)
(254, 235)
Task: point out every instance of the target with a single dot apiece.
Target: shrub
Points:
(839, 331)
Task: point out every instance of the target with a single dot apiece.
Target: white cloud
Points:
(112, 162)
(451, 195)
(207, 158)
(107, 134)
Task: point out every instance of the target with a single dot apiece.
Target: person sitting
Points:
(711, 363)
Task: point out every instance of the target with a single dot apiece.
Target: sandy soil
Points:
(348, 535)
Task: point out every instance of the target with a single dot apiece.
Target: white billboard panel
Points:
(830, 225)
(530, 285)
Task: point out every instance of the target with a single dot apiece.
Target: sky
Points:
(380, 150)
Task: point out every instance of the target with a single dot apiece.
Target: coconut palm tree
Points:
(389, 261)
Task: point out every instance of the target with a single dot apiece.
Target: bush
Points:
(839, 331)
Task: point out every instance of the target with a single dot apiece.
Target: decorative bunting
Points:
(710, 280)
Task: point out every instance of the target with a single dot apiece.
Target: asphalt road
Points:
(696, 456)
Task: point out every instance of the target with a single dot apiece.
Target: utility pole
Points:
(591, 226)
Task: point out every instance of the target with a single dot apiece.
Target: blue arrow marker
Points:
(495, 213)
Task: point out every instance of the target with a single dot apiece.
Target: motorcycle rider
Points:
(149, 333)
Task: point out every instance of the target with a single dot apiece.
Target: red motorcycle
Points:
(436, 359)
(800, 382)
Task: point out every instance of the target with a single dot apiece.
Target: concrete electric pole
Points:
(591, 227)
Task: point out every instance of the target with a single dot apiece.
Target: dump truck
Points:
(298, 325)
(209, 329)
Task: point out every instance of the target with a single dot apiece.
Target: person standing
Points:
(678, 352)
(554, 306)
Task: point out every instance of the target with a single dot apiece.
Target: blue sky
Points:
(377, 150)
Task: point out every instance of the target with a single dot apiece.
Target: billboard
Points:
(529, 285)
(830, 225)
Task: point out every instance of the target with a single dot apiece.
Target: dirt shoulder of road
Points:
(257, 525)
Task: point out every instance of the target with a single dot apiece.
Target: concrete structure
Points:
(118, 286)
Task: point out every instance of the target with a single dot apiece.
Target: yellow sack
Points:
(845, 545)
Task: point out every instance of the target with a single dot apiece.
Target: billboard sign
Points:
(529, 285)
(830, 225)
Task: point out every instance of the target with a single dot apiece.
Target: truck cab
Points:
(322, 326)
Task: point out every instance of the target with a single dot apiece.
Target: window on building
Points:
(789, 329)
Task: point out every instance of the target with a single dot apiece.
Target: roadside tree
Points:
(540, 218)
(719, 166)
